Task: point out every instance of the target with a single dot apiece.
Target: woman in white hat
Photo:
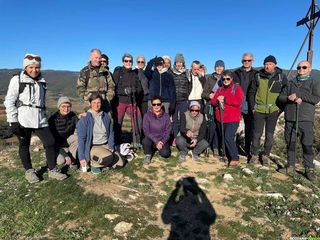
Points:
(25, 108)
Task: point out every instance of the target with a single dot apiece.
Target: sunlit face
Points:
(104, 62)
(156, 106)
(95, 58)
(65, 109)
(167, 63)
(247, 62)
(304, 68)
(127, 62)
(226, 80)
(195, 69)
(140, 63)
(219, 69)
(96, 105)
(269, 67)
(179, 65)
(33, 70)
(194, 110)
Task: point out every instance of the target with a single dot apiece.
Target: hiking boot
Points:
(182, 157)
(253, 159)
(95, 170)
(147, 159)
(195, 157)
(310, 175)
(234, 163)
(56, 174)
(31, 176)
(265, 160)
(288, 170)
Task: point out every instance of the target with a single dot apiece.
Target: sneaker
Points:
(195, 157)
(56, 174)
(31, 176)
(182, 157)
(310, 175)
(265, 160)
(288, 170)
(234, 163)
(147, 159)
(95, 170)
(253, 159)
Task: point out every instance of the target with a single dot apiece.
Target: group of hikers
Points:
(168, 105)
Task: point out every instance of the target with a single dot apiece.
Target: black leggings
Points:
(24, 137)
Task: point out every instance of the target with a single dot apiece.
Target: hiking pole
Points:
(221, 108)
(210, 131)
(128, 91)
(135, 120)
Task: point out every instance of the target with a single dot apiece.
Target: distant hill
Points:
(64, 82)
(59, 82)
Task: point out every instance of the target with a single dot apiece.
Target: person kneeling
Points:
(96, 139)
(192, 132)
(157, 129)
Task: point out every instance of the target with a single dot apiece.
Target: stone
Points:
(202, 180)
(259, 180)
(274, 195)
(265, 168)
(159, 205)
(111, 217)
(303, 188)
(123, 227)
(316, 164)
(247, 171)
(227, 177)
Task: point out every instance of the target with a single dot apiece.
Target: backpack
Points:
(22, 86)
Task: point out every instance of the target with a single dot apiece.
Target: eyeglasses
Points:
(29, 57)
(140, 61)
(194, 110)
(127, 61)
(228, 79)
(156, 104)
(246, 60)
(303, 67)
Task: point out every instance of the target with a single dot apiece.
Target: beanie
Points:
(270, 58)
(30, 59)
(179, 58)
(63, 100)
(219, 63)
(194, 103)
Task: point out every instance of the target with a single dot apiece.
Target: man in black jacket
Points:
(299, 98)
(244, 76)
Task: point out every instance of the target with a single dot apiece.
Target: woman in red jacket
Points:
(230, 97)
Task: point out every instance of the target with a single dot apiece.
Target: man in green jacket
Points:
(263, 93)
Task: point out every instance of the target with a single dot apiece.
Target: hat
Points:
(158, 61)
(270, 58)
(179, 58)
(194, 103)
(63, 100)
(219, 63)
(30, 59)
(166, 57)
(104, 56)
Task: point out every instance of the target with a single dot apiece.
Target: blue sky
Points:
(62, 32)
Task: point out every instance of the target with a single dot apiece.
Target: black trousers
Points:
(248, 131)
(261, 121)
(149, 148)
(305, 132)
(24, 137)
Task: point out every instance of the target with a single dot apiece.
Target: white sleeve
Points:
(10, 100)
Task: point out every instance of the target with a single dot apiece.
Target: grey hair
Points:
(127, 55)
(141, 56)
(95, 50)
(247, 54)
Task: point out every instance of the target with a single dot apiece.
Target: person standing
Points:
(263, 93)
(26, 114)
(95, 77)
(244, 76)
(141, 63)
(299, 98)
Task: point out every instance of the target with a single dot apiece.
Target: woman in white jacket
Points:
(25, 108)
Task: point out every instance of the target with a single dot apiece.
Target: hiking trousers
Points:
(305, 132)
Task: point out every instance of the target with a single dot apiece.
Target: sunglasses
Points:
(140, 61)
(194, 110)
(303, 67)
(156, 104)
(228, 79)
(29, 57)
(127, 61)
(247, 60)
(103, 61)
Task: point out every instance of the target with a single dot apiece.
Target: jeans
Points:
(183, 146)
(230, 130)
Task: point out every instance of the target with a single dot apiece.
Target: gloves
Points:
(15, 128)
